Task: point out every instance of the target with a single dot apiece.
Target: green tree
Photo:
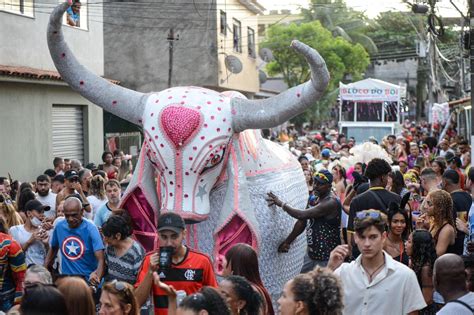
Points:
(396, 31)
(341, 21)
(341, 56)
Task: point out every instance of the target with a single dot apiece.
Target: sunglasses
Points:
(122, 288)
(119, 285)
(322, 176)
(361, 215)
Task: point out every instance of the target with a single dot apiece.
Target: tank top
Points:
(323, 235)
(451, 248)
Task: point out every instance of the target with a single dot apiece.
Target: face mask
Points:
(35, 221)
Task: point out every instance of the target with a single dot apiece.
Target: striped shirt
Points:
(190, 275)
(124, 268)
(12, 272)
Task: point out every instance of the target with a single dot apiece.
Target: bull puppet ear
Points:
(125, 103)
(273, 111)
(237, 222)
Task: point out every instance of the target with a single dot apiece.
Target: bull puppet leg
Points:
(141, 202)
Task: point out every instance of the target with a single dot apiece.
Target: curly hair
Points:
(104, 155)
(424, 251)
(117, 224)
(443, 208)
(245, 292)
(320, 290)
(207, 299)
(377, 168)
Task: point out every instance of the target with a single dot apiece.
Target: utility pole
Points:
(433, 77)
(171, 39)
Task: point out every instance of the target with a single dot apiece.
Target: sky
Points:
(444, 6)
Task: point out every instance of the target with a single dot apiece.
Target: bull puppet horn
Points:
(271, 112)
(120, 101)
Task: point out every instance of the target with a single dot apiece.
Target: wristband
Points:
(283, 205)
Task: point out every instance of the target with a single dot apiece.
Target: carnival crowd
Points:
(389, 229)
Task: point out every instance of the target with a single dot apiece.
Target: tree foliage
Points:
(396, 31)
(342, 58)
(342, 21)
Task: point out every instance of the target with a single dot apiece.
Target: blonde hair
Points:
(98, 187)
(442, 208)
(12, 217)
(78, 296)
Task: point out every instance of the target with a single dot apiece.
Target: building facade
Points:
(138, 36)
(41, 116)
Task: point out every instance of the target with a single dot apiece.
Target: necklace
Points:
(373, 272)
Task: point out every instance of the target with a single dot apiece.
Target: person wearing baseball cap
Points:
(325, 154)
(72, 186)
(172, 263)
(321, 221)
(31, 236)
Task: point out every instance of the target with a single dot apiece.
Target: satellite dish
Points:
(262, 76)
(266, 54)
(233, 64)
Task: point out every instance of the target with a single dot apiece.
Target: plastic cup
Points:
(415, 215)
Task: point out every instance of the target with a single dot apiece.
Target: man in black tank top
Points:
(322, 223)
(377, 197)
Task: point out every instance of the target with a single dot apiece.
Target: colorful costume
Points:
(12, 272)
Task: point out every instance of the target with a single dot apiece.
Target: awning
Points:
(370, 90)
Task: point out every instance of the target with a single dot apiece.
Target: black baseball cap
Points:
(36, 205)
(171, 221)
(92, 167)
(71, 174)
(449, 156)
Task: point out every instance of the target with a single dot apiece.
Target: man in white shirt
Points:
(449, 279)
(45, 195)
(31, 235)
(444, 148)
(375, 283)
(112, 191)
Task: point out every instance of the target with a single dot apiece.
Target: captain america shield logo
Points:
(73, 248)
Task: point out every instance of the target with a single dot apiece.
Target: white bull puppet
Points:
(203, 158)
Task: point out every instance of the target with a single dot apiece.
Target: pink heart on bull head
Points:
(180, 123)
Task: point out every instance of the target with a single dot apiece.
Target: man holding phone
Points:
(175, 264)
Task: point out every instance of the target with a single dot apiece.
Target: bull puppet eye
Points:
(215, 160)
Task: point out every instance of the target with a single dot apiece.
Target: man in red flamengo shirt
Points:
(190, 270)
